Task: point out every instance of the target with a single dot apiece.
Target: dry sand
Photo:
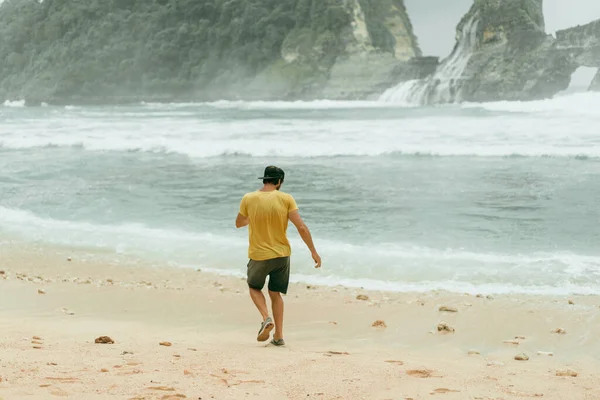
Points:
(53, 309)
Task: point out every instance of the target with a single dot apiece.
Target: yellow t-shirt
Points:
(268, 213)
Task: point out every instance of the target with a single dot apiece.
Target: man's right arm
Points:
(305, 235)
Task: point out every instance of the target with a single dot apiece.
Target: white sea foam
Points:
(14, 103)
(563, 127)
(405, 267)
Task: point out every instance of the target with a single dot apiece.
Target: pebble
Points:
(571, 302)
(520, 337)
(379, 324)
(443, 327)
(511, 341)
(522, 357)
(474, 353)
(560, 331)
(2, 272)
(494, 363)
(545, 353)
(37, 338)
(567, 372)
(41, 291)
(448, 309)
(104, 340)
(167, 344)
(362, 297)
(69, 259)
(104, 370)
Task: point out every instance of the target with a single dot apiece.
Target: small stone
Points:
(37, 338)
(448, 309)
(473, 353)
(126, 352)
(37, 347)
(520, 337)
(571, 302)
(36, 342)
(443, 327)
(104, 370)
(511, 341)
(110, 281)
(69, 259)
(362, 297)
(560, 331)
(545, 353)
(52, 363)
(176, 356)
(2, 272)
(479, 296)
(379, 324)
(522, 357)
(167, 344)
(104, 340)
(494, 363)
(566, 372)
(187, 372)
(41, 291)
(489, 297)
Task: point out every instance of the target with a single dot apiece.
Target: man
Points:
(267, 211)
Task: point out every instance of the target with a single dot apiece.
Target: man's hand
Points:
(317, 258)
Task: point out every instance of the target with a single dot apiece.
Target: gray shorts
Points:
(277, 269)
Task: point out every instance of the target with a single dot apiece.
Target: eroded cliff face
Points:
(381, 49)
(514, 57)
(377, 42)
(503, 53)
(581, 43)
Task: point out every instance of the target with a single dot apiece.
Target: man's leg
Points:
(257, 274)
(277, 305)
(278, 284)
(260, 302)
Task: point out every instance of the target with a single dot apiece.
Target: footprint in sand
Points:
(420, 373)
(444, 390)
(398, 362)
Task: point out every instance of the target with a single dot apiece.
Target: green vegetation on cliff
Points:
(61, 50)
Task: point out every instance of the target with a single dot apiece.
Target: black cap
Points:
(272, 172)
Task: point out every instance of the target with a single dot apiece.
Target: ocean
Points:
(480, 198)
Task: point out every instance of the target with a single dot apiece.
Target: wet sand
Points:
(54, 303)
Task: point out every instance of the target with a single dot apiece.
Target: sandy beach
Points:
(54, 303)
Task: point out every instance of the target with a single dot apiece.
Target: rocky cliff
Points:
(581, 45)
(117, 50)
(503, 53)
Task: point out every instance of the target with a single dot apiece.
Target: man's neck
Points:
(268, 188)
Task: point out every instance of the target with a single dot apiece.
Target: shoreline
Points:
(302, 264)
(333, 350)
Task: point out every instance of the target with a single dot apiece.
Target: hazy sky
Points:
(435, 21)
